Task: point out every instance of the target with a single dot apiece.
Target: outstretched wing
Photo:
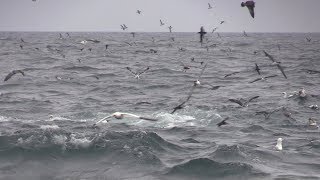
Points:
(236, 101)
(257, 69)
(255, 97)
(282, 71)
(258, 79)
(9, 76)
(223, 122)
(270, 76)
(144, 71)
(251, 10)
(129, 69)
(269, 56)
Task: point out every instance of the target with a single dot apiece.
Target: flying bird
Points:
(137, 74)
(221, 22)
(223, 122)
(138, 11)
(276, 63)
(209, 6)
(243, 102)
(308, 39)
(202, 33)
(245, 34)
(13, 73)
(119, 115)
(161, 23)
(170, 28)
(231, 74)
(133, 34)
(123, 27)
(257, 69)
(262, 78)
(250, 5)
(214, 29)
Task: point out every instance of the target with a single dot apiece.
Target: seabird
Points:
(186, 67)
(161, 23)
(279, 144)
(137, 74)
(245, 34)
(107, 46)
(223, 122)
(170, 28)
(231, 74)
(263, 78)
(287, 114)
(83, 42)
(214, 29)
(314, 107)
(257, 68)
(250, 5)
(209, 6)
(302, 93)
(312, 122)
(93, 40)
(60, 36)
(243, 102)
(133, 34)
(13, 73)
(138, 11)
(202, 33)
(192, 60)
(276, 63)
(308, 39)
(22, 40)
(221, 22)
(119, 115)
(267, 114)
(195, 84)
(285, 95)
(21, 46)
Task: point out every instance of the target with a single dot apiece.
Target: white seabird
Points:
(279, 144)
(120, 115)
(313, 122)
(302, 93)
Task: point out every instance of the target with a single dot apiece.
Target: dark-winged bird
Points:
(250, 5)
(243, 102)
(257, 68)
(223, 122)
(276, 63)
(263, 78)
(137, 74)
(202, 33)
(13, 73)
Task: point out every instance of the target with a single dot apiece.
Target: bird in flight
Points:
(123, 27)
(137, 74)
(243, 102)
(202, 33)
(138, 11)
(276, 63)
(13, 73)
(257, 69)
(223, 122)
(119, 115)
(263, 78)
(209, 6)
(170, 28)
(221, 22)
(250, 5)
(308, 39)
(161, 23)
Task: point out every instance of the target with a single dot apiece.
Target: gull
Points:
(250, 5)
(243, 102)
(267, 114)
(120, 115)
(170, 28)
(210, 7)
(231, 74)
(223, 122)
(13, 73)
(279, 144)
(257, 68)
(138, 11)
(263, 78)
(161, 23)
(137, 74)
(202, 33)
(276, 63)
(186, 67)
(195, 84)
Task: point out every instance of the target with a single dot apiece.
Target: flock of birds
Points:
(241, 102)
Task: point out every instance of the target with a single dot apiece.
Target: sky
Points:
(182, 15)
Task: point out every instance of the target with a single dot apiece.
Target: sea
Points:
(48, 115)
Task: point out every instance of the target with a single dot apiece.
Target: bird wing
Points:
(251, 10)
(282, 71)
(144, 71)
(255, 97)
(257, 69)
(236, 101)
(9, 75)
(129, 69)
(258, 79)
(223, 122)
(270, 76)
(231, 74)
(103, 119)
(269, 56)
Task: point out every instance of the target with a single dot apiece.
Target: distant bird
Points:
(133, 34)
(186, 67)
(231, 74)
(309, 71)
(161, 23)
(123, 27)
(202, 33)
(107, 46)
(21, 46)
(312, 122)
(60, 36)
(250, 5)
(209, 6)
(262, 78)
(308, 39)
(192, 60)
(223, 122)
(302, 93)
(83, 42)
(119, 115)
(93, 40)
(13, 73)
(287, 114)
(276, 63)
(172, 38)
(285, 95)
(22, 40)
(137, 74)
(170, 28)
(221, 22)
(279, 144)
(257, 68)
(214, 29)
(90, 49)
(138, 11)
(314, 107)
(68, 34)
(243, 102)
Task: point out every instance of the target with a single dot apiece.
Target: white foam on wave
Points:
(80, 142)
(46, 127)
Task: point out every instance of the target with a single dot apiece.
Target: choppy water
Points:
(186, 145)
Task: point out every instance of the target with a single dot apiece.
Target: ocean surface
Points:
(47, 117)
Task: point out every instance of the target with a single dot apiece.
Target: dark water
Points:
(47, 116)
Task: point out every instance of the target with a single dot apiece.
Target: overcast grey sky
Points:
(183, 15)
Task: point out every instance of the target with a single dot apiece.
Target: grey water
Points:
(47, 116)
